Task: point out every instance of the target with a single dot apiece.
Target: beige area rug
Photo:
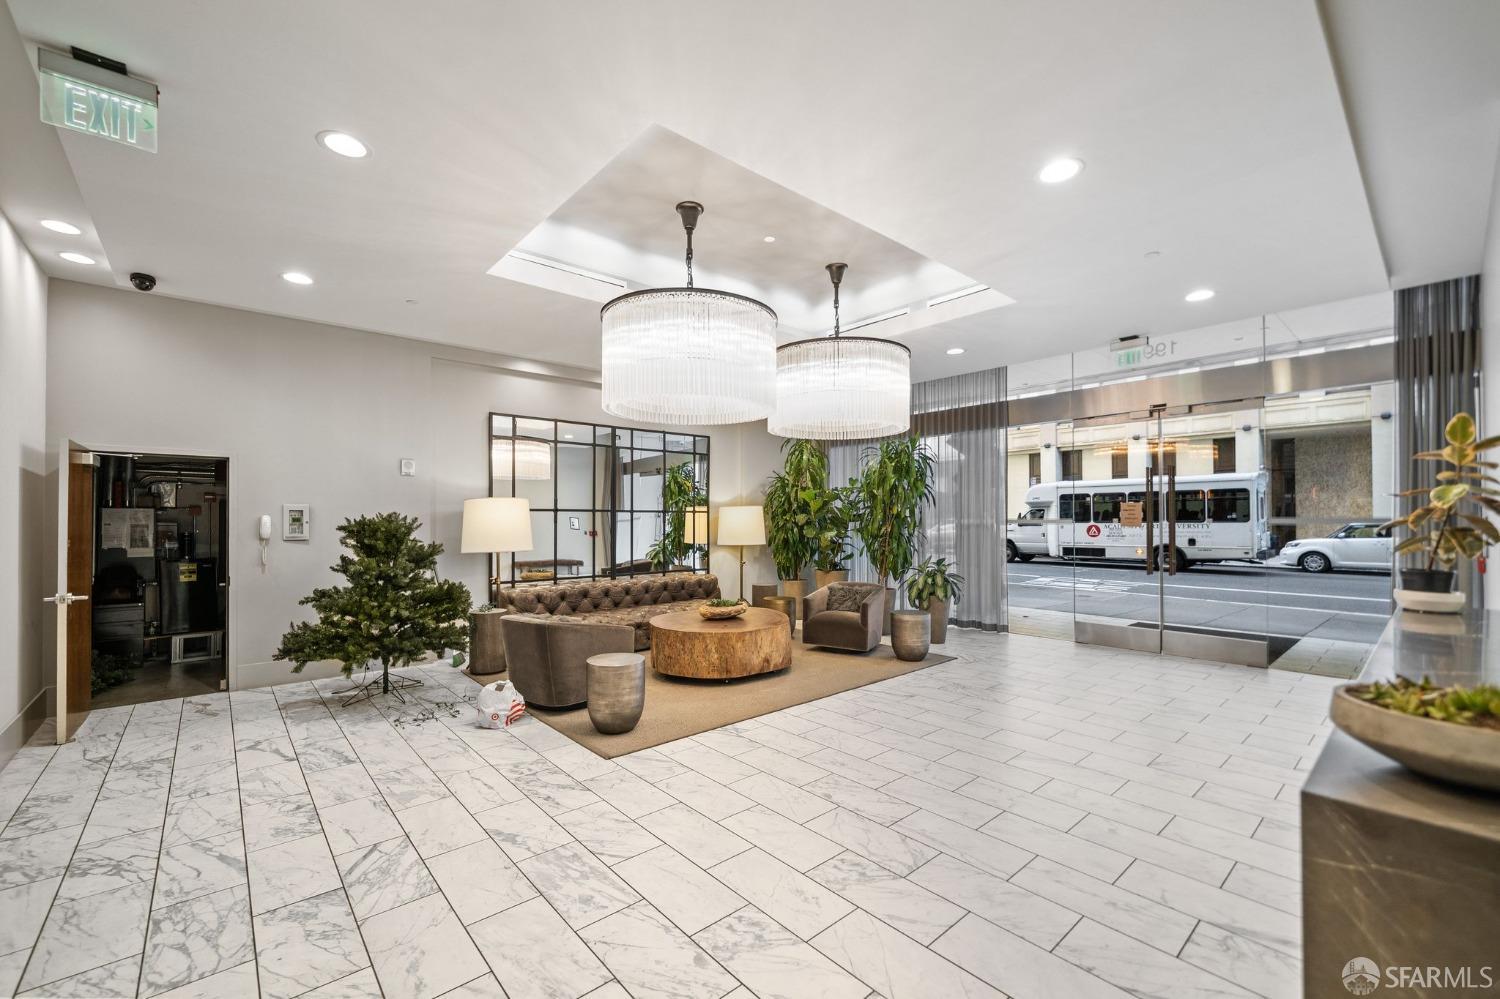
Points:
(677, 708)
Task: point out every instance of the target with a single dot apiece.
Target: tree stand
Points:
(386, 683)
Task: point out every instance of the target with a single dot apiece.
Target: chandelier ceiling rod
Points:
(690, 212)
(836, 274)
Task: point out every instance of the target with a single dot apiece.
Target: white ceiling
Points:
(623, 223)
(1213, 133)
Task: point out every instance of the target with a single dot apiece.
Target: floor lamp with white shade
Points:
(742, 526)
(496, 525)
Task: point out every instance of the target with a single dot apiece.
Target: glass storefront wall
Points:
(1216, 494)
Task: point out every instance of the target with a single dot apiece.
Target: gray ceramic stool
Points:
(617, 691)
(911, 634)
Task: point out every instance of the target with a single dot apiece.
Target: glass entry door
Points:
(1164, 527)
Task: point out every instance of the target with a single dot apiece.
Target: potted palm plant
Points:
(791, 529)
(930, 587)
(1454, 523)
(891, 489)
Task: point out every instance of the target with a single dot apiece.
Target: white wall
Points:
(313, 414)
(24, 573)
(1489, 326)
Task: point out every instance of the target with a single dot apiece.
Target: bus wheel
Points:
(1183, 562)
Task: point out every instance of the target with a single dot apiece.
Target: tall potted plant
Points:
(893, 486)
(791, 531)
(931, 585)
(1454, 522)
(831, 517)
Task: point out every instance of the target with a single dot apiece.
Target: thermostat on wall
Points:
(294, 522)
(408, 466)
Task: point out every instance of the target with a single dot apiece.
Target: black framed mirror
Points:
(606, 501)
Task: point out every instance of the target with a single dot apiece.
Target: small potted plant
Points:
(931, 585)
(1454, 523)
(720, 609)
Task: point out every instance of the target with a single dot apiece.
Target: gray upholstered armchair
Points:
(548, 657)
(844, 616)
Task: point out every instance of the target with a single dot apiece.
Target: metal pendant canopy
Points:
(688, 356)
(840, 388)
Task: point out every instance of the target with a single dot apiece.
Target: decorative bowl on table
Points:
(1460, 752)
(721, 610)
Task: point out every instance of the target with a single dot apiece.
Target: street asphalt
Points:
(1342, 606)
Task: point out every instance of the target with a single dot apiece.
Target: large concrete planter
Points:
(822, 577)
(486, 647)
(938, 611)
(796, 589)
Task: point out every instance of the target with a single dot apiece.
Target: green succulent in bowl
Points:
(721, 602)
(1478, 706)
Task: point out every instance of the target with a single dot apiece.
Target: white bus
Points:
(1211, 518)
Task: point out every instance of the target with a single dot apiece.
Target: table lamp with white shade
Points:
(742, 526)
(496, 525)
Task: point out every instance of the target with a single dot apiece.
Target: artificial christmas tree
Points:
(394, 608)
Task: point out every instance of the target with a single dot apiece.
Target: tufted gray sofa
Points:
(615, 601)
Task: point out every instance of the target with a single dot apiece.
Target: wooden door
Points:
(75, 578)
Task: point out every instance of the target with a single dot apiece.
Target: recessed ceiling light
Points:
(296, 277)
(76, 258)
(66, 228)
(1199, 295)
(1059, 170)
(955, 350)
(344, 144)
(769, 239)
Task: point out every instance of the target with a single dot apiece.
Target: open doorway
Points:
(159, 591)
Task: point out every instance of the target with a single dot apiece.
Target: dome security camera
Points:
(142, 281)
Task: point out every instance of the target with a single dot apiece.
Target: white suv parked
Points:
(1359, 545)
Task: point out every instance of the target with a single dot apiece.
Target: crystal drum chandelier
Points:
(841, 388)
(525, 458)
(688, 356)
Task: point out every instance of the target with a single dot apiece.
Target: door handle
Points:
(1150, 520)
(1172, 522)
(63, 599)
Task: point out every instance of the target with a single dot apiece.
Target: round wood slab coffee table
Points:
(684, 644)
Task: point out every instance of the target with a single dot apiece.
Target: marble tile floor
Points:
(1034, 819)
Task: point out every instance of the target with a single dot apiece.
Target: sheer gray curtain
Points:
(962, 419)
(1437, 375)
(843, 465)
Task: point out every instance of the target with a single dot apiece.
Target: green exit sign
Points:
(82, 97)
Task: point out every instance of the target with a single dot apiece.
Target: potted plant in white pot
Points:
(791, 528)
(930, 587)
(1454, 522)
(894, 485)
